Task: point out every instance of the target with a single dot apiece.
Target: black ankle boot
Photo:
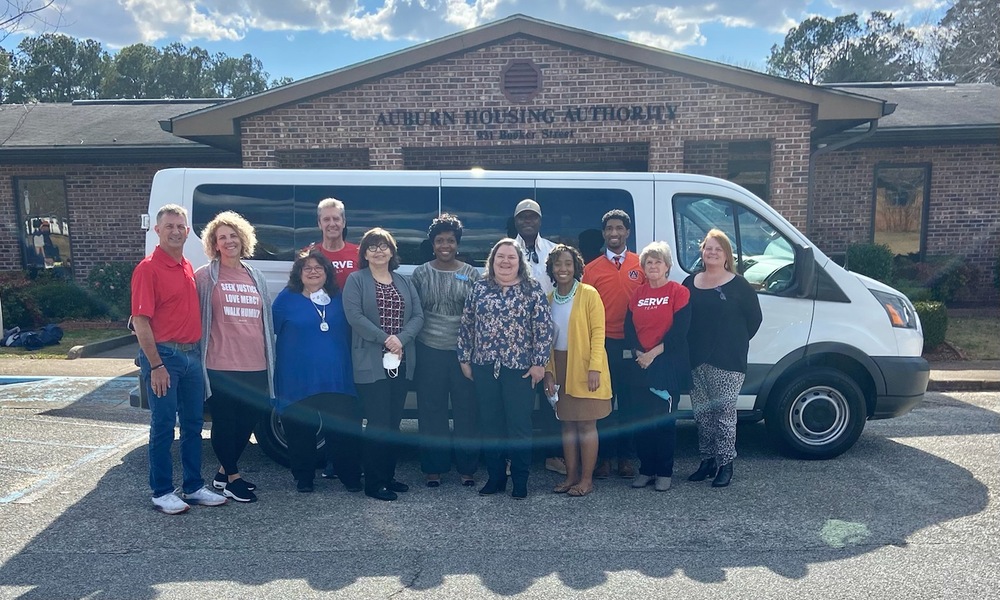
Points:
(706, 470)
(493, 486)
(725, 475)
(520, 489)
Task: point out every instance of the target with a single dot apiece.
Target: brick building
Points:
(76, 176)
(844, 164)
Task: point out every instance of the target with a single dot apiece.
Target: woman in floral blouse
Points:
(503, 347)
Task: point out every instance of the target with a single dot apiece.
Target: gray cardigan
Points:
(205, 279)
(367, 338)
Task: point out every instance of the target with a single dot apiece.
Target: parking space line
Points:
(56, 444)
(25, 496)
(78, 423)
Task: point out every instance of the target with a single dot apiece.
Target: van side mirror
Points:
(805, 272)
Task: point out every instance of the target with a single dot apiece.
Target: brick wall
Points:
(104, 202)
(964, 206)
(705, 112)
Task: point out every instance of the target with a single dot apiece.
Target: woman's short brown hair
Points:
(373, 237)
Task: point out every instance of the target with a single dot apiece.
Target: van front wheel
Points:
(819, 414)
(270, 436)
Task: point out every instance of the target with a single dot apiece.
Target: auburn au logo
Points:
(633, 274)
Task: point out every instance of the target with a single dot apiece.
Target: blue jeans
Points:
(184, 401)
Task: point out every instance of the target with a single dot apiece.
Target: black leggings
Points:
(238, 400)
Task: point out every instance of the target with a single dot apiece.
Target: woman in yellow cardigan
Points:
(579, 366)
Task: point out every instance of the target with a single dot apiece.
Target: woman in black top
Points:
(725, 315)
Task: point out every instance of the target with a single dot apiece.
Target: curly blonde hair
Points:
(242, 227)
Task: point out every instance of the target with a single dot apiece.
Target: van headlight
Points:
(901, 313)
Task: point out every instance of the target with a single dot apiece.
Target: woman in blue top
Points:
(313, 378)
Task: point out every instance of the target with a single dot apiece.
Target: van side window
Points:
(404, 211)
(764, 256)
(569, 216)
(269, 208)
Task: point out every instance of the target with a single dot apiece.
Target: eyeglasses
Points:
(312, 269)
(722, 295)
(533, 256)
(379, 246)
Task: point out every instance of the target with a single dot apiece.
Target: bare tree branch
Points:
(35, 15)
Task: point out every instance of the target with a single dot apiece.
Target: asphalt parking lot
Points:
(911, 511)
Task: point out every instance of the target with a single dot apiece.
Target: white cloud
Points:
(671, 25)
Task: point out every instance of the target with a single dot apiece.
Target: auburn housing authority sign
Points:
(598, 113)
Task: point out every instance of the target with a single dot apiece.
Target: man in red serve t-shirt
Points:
(332, 221)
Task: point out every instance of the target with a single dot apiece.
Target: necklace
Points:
(323, 325)
(560, 299)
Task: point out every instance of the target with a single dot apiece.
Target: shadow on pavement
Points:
(781, 514)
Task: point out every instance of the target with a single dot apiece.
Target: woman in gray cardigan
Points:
(237, 353)
(385, 316)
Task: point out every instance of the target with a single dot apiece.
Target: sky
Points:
(302, 38)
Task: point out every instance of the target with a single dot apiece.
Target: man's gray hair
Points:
(172, 209)
(330, 203)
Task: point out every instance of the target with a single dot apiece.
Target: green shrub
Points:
(945, 276)
(996, 273)
(872, 260)
(58, 301)
(111, 283)
(913, 290)
(19, 307)
(934, 318)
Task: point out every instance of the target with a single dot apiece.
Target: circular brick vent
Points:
(521, 80)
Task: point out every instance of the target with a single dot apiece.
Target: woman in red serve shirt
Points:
(656, 328)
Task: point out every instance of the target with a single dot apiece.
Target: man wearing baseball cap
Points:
(528, 222)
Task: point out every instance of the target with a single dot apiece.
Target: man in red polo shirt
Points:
(616, 274)
(166, 316)
(332, 222)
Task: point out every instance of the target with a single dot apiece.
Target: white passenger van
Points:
(834, 350)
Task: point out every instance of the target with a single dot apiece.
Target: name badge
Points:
(627, 354)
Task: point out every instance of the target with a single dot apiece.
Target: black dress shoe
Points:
(304, 486)
(707, 469)
(725, 475)
(398, 486)
(493, 486)
(382, 494)
(520, 490)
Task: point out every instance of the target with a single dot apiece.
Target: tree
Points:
(881, 51)
(130, 74)
(182, 73)
(810, 47)
(819, 50)
(57, 68)
(237, 77)
(970, 42)
(41, 15)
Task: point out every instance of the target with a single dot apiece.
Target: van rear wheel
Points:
(819, 414)
(271, 438)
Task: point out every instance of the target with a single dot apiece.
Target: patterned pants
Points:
(713, 399)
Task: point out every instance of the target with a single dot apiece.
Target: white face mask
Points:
(320, 297)
(390, 362)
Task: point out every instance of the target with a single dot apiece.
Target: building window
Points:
(43, 220)
(901, 206)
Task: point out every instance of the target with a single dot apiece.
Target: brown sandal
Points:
(579, 492)
(563, 488)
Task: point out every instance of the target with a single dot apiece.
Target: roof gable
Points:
(218, 125)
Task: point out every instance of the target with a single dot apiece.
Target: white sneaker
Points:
(204, 497)
(170, 504)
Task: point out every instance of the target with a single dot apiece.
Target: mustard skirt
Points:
(571, 408)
